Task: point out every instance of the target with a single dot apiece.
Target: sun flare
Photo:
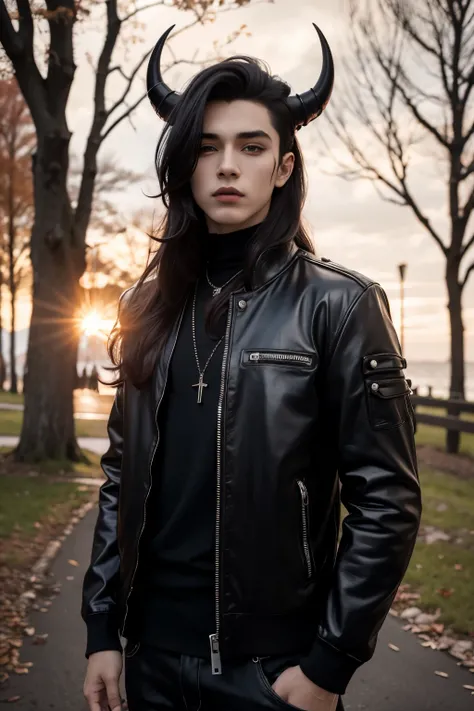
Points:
(92, 324)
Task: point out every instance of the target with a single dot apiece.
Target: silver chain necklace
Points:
(216, 290)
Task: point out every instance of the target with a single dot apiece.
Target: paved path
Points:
(16, 407)
(95, 444)
(392, 681)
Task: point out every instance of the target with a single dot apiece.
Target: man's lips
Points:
(227, 191)
(228, 197)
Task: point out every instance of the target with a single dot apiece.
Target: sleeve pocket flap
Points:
(379, 362)
(387, 389)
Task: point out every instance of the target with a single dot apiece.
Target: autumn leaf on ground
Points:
(445, 592)
(394, 647)
(443, 674)
(73, 562)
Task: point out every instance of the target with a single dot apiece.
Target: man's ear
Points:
(285, 170)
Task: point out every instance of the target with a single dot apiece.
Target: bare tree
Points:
(17, 142)
(407, 89)
(58, 243)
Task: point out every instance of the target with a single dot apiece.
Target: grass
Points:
(66, 468)
(25, 501)
(36, 502)
(11, 420)
(434, 569)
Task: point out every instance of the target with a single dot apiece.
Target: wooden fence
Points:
(448, 422)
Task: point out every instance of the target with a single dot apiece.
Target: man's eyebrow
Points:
(243, 134)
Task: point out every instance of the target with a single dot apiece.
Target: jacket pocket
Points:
(388, 402)
(305, 528)
(383, 363)
(276, 357)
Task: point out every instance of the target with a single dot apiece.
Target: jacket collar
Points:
(277, 265)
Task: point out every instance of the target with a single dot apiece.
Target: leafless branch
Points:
(123, 116)
(469, 271)
(467, 246)
(141, 9)
(129, 79)
(25, 20)
(9, 39)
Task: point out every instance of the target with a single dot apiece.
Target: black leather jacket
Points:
(313, 402)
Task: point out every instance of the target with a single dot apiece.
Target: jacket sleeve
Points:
(99, 607)
(373, 424)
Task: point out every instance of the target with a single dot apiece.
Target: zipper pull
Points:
(215, 654)
(304, 493)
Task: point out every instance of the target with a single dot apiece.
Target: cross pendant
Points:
(200, 387)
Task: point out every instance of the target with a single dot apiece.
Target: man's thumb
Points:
(113, 696)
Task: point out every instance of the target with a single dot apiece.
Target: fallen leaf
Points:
(73, 562)
(445, 592)
(468, 686)
(21, 670)
(458, 566)
(29, 631)
(40, 639)
(443, 674)
(437, 627)
(12, 699)
(394, 647)
(16, 643)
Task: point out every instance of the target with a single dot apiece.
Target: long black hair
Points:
(153, 305)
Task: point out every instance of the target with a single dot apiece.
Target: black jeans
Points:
(156, 680)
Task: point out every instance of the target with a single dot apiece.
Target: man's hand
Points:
(101, 685)
(296, 689)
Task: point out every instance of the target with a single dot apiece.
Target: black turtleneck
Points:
(177, 553)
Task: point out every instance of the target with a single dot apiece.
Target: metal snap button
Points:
(373, 364)
(375, 387)
(242, 304)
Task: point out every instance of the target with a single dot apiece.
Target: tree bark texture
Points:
(48, 427)
(12, 286)
(456, 386)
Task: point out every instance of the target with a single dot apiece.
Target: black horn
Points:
(308, 106)
(163, 98)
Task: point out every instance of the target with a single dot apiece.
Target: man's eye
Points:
(254, 149)
(207, 149)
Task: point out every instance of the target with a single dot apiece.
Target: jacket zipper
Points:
(150, 469)
(259, 357)
(305, 526)
(216, 663)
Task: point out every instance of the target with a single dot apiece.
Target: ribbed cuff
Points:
(102, 633)
(329, 668)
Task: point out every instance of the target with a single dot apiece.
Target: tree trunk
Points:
(13, 373)
(48, 423)
(2, 359)
(456, 388)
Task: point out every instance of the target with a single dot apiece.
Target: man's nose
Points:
(229, 164)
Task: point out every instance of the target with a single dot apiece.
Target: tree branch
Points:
(140, 9)
(61, 67)
(123, 116)
(467, 246)
(129, 79)
(9, 39)
(470, 269)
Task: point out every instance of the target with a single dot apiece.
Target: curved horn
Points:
(163, 98)
(308, 106)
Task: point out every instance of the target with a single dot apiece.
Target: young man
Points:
(255, 382)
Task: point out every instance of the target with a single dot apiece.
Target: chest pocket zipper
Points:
(277, 357)
(305, 527)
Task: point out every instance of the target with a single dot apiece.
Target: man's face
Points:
(239, 149)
